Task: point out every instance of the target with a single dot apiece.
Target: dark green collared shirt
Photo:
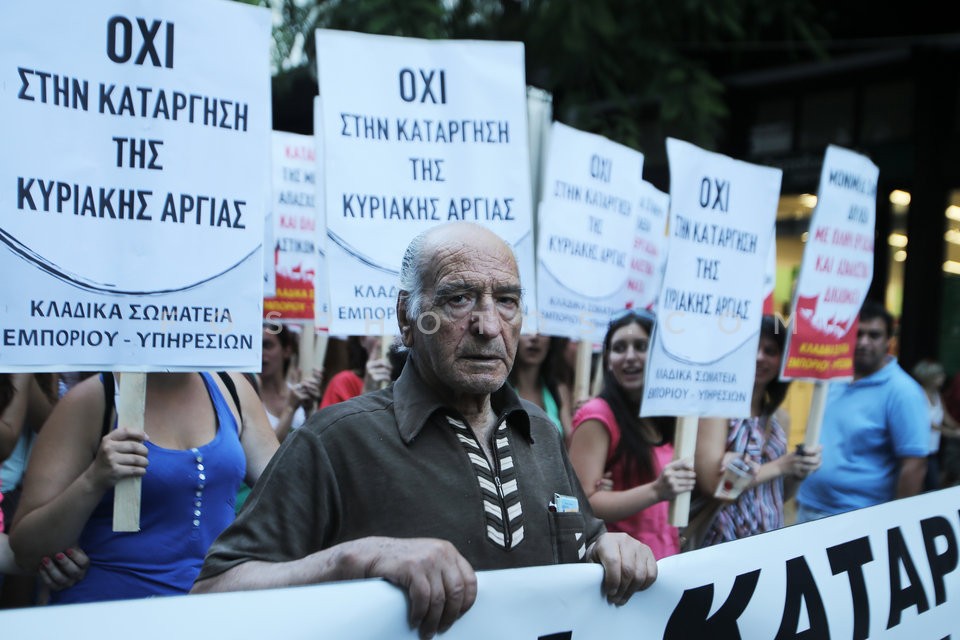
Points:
(389, 464)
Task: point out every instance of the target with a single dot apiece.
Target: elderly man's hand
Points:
(440, 584)
(628, 565)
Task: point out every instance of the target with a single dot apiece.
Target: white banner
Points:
(133, 184)
(887, 572)
(417, 133)
(649, 258)
(295, 227)
(703, 354)
(586, 225)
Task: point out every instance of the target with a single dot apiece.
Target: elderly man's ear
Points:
(405, 323)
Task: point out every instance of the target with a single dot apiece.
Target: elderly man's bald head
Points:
(417, 257)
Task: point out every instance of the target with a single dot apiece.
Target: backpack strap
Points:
(109, 400)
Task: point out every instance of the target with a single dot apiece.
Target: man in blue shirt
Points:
(875, 430)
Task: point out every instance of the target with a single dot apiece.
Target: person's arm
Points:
(70, 469)
(588, 454)
(913, 470)
(258, 440)
(40, 404)
(628, 565)
(14, 414)
(8, 565)
(440, 584)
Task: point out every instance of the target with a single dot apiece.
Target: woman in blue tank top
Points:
(199, 446)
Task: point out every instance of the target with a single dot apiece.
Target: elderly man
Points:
(444, 473)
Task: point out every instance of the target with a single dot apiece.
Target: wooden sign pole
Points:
(130, 407)
(305, 355)
(684, 445)
(581, 376)
(815, 420)
(385, 342)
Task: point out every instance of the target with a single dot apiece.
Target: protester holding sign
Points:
(202, 437)
(875, 430)
(287, 405)
(761, 442)
(609, 435)
(440, 474)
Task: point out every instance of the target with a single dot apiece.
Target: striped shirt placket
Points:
(498, 486)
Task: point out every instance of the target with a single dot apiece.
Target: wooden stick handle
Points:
(581, 376)
(684, 445)
(126, 494)
(305, 355)
(815, 420)
(386, 340)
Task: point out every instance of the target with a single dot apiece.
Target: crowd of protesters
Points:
(209, 438)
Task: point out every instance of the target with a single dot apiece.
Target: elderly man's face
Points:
(466, 337)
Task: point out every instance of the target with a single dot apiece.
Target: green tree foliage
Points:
(635, 71)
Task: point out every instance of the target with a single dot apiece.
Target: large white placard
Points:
(295, 227)
(585, 226)
(417, 133)
(887, 572)
(134, 181)
(703, 354)
(649, 256)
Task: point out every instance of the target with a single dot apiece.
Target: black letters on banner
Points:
(849, 558)
(715, 194)
(801, 587)
(689, 618)
(943, 563)
(912, 594)
(120, 32)
(410, 89)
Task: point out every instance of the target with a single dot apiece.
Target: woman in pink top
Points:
(610, 437)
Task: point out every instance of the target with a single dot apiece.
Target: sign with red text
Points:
(836, 271)
(586, 225)
(133, 184)
(295, 227)
(703, 353)
(649, 257)
(887, 573)
(417, 133)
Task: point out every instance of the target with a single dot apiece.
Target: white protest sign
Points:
(417, 133)
(649, 256)
(703, 353)
(295, 227)
(133, 184)
(836, 271)
(586, 225)
(888, 572)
